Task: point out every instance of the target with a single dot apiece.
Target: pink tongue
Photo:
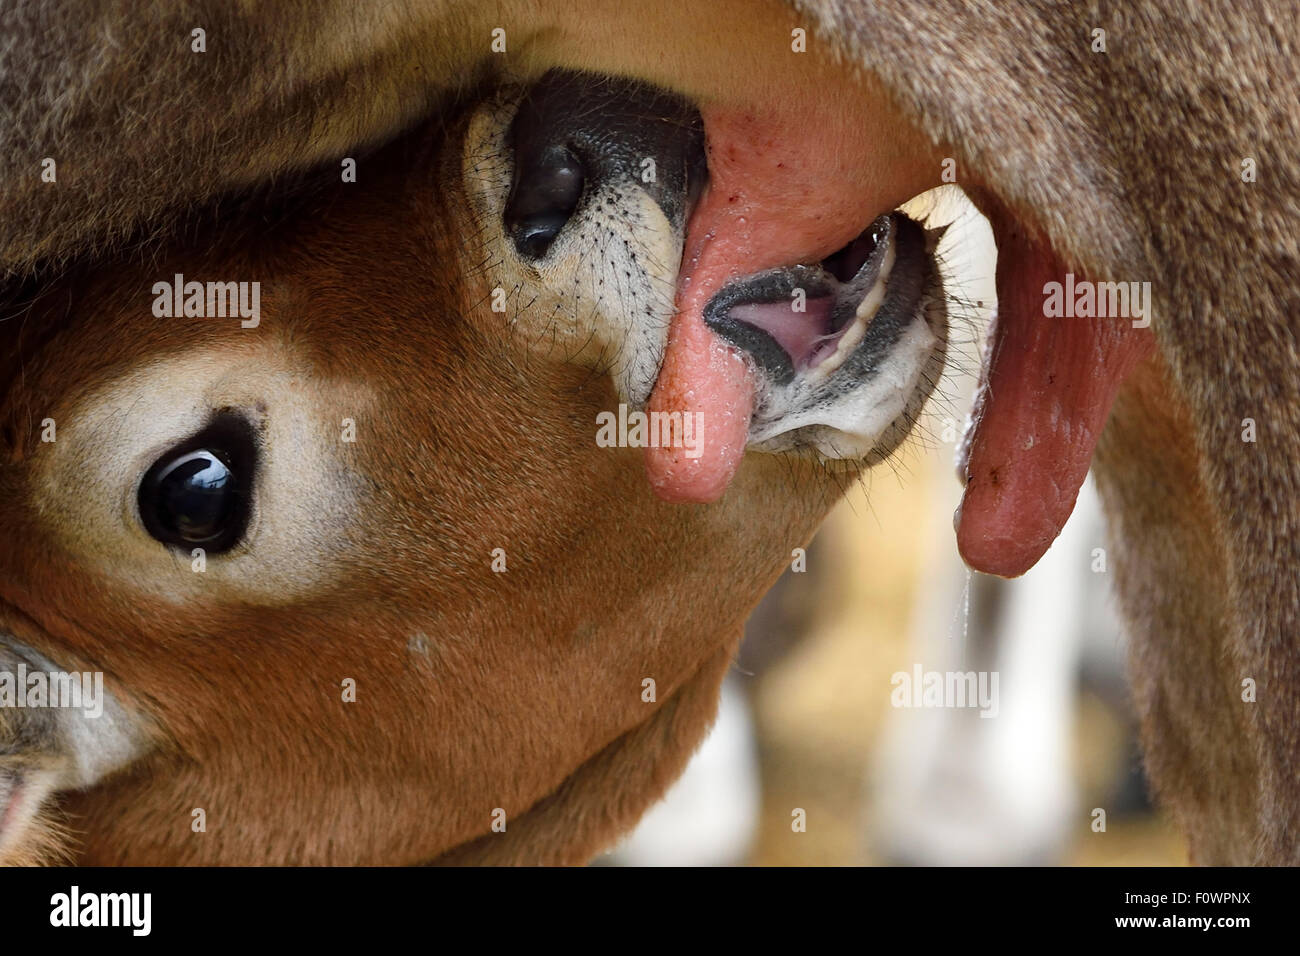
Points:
(776, 196)
(1048, 385)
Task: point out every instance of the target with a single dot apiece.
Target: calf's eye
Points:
(199, 494)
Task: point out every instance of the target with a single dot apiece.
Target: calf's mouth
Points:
(804, 318)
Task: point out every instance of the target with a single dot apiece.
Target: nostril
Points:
(547, 188)
(579, 136)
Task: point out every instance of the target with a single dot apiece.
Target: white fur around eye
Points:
(305, 497)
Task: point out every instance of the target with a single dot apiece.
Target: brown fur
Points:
(1126, 162)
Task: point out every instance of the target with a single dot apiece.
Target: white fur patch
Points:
(305, 497)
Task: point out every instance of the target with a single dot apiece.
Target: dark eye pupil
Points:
(197, 496)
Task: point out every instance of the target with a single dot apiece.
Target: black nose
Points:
(578, 132)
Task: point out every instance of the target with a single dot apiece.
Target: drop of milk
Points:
(965, 616)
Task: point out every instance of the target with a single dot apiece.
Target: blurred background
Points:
(814, 759)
